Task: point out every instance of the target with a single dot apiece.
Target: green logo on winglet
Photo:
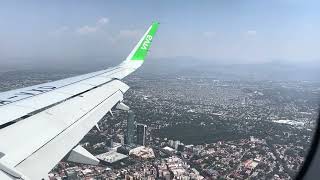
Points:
(142, 51)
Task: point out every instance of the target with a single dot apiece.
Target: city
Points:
(201, 128)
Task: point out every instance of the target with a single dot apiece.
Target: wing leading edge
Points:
(48, 120)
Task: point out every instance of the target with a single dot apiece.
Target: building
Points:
(168, 149)
(176, 144)
(180, 147)
(250, 164)
(111, 157)
(125, 149)
(122, 140)
(130, 128)
(171, 143)
(141, 134)
(142, 152)
(71, 173)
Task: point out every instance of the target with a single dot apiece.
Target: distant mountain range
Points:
(179, 66)
(277, 71)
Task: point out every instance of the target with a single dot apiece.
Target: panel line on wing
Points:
(9, 102)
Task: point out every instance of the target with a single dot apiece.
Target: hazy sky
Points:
(230, 30)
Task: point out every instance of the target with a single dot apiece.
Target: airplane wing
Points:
(39, 125)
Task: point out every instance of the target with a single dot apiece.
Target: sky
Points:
(231, 31)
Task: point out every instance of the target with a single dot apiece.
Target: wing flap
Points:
(37, 165)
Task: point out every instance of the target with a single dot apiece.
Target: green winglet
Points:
(144, 45)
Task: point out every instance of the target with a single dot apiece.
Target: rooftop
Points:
(111, 156)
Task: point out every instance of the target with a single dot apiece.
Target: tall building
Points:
(180, 147)
(130, 128)
(141, 134)
(176, 144)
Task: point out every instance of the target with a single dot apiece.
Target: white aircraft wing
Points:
(39, 125)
